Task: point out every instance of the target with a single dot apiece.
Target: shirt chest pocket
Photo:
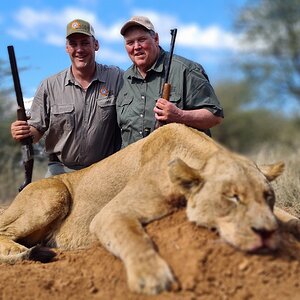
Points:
(176, 99)
(106, 106)
(125, 110)
(63, 117)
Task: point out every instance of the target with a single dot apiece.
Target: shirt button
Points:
(141, 133)
(141, 115)
(143, 97)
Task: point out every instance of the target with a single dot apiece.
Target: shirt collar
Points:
(99, 75)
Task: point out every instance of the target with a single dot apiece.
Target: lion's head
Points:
(232, 195)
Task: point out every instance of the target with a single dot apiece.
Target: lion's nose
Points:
(264, 233)
(269, 239)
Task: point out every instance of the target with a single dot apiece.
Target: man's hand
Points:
(20, 130)
(166, 111)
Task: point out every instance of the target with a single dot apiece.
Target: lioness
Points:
(112, 200)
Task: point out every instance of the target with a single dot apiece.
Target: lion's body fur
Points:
(112, 199)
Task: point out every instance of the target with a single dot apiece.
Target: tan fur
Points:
(112, 200)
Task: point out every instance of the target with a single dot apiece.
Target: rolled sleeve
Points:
(200, 93)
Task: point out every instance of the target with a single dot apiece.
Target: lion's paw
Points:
(11, 252)
(293, 226)
(149, 274)
(9, 247)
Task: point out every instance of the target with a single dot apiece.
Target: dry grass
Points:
(287, 186)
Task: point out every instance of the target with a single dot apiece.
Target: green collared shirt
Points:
(80, 125)
(190, 89)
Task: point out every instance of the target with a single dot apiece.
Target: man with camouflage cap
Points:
(76, 109)
(192, 99)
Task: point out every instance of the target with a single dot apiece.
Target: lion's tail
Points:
(36, 253)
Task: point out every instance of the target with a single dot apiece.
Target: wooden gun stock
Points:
(166, 91)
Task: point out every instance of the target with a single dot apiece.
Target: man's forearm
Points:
(199, 118)
(36, 135)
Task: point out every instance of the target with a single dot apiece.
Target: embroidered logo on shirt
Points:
(104, 91)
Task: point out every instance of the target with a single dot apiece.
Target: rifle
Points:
(27, 148)
(167, 86)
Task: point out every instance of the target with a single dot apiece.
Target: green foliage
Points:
(270, 31)
(10, 155)
(11, 168)
(245, 126)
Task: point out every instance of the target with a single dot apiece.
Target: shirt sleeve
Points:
(200, 93)
(120, 81)
(40, 109)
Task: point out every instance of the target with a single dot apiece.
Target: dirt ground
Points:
(205, 268)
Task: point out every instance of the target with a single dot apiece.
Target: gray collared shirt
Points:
(80, 125)
(190, 89)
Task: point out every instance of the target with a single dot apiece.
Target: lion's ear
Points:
(272, 171)
(184, 176)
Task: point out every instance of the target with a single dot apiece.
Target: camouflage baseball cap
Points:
(137, 21)
(80, 26)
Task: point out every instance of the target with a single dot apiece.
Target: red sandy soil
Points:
(205, 268)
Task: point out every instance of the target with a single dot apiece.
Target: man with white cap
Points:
(139, 105)
(76, 109)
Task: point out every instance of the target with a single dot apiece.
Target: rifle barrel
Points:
(173, 34)
(15, 75)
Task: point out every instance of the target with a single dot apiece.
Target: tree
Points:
(270, 31)
(12, 171)
(6, 107)
(247, 126)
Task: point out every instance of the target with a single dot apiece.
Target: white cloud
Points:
(18, 34)
(27, 103)
(211, 37)
(110, 33)
(191, 35)
(49, 26)
(55, 39)
(109, 56)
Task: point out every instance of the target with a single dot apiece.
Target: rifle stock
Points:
(27, 148)
(166, 91)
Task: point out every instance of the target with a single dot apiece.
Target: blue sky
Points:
(36, 29)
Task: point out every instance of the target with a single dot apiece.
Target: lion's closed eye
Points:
(233, 198)
(269, 197)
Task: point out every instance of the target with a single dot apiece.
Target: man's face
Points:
(141, 47)
(81, 49)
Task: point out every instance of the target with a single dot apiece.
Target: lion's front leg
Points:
(119, 228)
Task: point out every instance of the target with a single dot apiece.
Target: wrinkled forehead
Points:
(136, 31)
